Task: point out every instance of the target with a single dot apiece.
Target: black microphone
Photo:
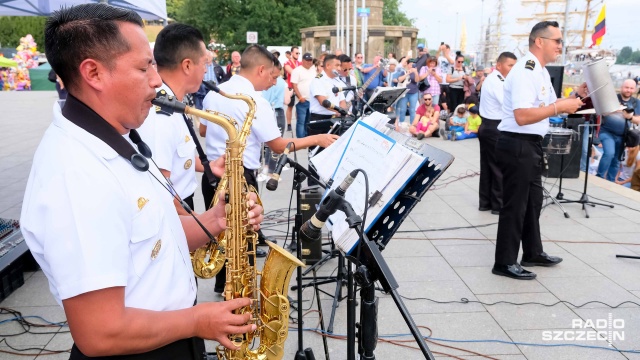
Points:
(337, 89)
(327, 104)
(211, 85)
(272, 184)
(311, 230)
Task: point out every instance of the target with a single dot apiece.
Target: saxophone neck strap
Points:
(84, 117)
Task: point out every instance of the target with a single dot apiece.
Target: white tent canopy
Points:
(147, 9)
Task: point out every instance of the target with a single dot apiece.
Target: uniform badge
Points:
(156, 249)
(530, 64)
(142, 202)
(319, 76)
(500, 77)
(188, 164)
(542, 104)
(186, 138)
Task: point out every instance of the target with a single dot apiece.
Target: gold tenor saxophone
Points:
(269, 307)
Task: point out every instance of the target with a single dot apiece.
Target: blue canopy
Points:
(147, 9)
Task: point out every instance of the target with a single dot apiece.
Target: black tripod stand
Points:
(371, 267)
(299, 176)
(584, 198)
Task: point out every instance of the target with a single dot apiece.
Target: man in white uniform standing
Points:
(181, 57)
(529, 101)
(98, 221)
(490, 190)
(256, 75)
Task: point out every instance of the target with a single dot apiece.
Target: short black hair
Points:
(540, 29)
(256, 55)
(88, 31)
(344, 58)
(293, 48)
(506, 55)
(176, 42)
(328, 58)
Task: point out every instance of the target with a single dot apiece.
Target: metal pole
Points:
(346, 29)
(480, 42)
(337, 43)
(355, 27)
(341, 42)
(362, 34)
(455, 41)
(564, 32)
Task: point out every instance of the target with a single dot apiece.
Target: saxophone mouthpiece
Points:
(168, 104)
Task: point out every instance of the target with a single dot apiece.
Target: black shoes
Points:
(493, 212)
(420, 136)
(289, 127)
(514, 271)
(542, 260)
(261, 253)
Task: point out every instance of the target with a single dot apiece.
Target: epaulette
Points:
(530, 64)
(500, 77)
(319, 76)
(159, 110)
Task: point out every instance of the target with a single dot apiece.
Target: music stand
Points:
(584, 198)
(385, 97)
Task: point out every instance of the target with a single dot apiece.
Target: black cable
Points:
(467, 301)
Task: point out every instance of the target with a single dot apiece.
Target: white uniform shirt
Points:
(492, 96)
(264, 127)
(93, 222)
(172, 147)
(303, 77)
(323, 86)
(527, 86)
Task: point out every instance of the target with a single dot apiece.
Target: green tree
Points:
(391, 14)
(173, 6)
(278, 22)
(625, 55)
(12, 28)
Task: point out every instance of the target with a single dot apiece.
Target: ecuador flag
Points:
(600, 28)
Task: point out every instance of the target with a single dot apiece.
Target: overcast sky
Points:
(437, 22)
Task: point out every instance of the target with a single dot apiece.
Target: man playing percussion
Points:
(529, 101)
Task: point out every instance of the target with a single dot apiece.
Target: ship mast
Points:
(550, 12)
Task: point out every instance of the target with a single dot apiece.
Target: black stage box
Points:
(310, 198)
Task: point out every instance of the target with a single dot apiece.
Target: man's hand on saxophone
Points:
(216, 321)
(214, 220)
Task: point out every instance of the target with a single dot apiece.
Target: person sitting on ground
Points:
(470, 127)
(426, 121)
(628, 166)
(456, 122)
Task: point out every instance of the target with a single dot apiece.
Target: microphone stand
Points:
(372, 267)
(299, 176)
(584, 199)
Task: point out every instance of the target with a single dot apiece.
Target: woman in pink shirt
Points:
(434, 78)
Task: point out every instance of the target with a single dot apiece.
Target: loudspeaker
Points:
(309, 200)
(571, 161)
(556, 73)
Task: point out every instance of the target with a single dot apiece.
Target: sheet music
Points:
(388, 165)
